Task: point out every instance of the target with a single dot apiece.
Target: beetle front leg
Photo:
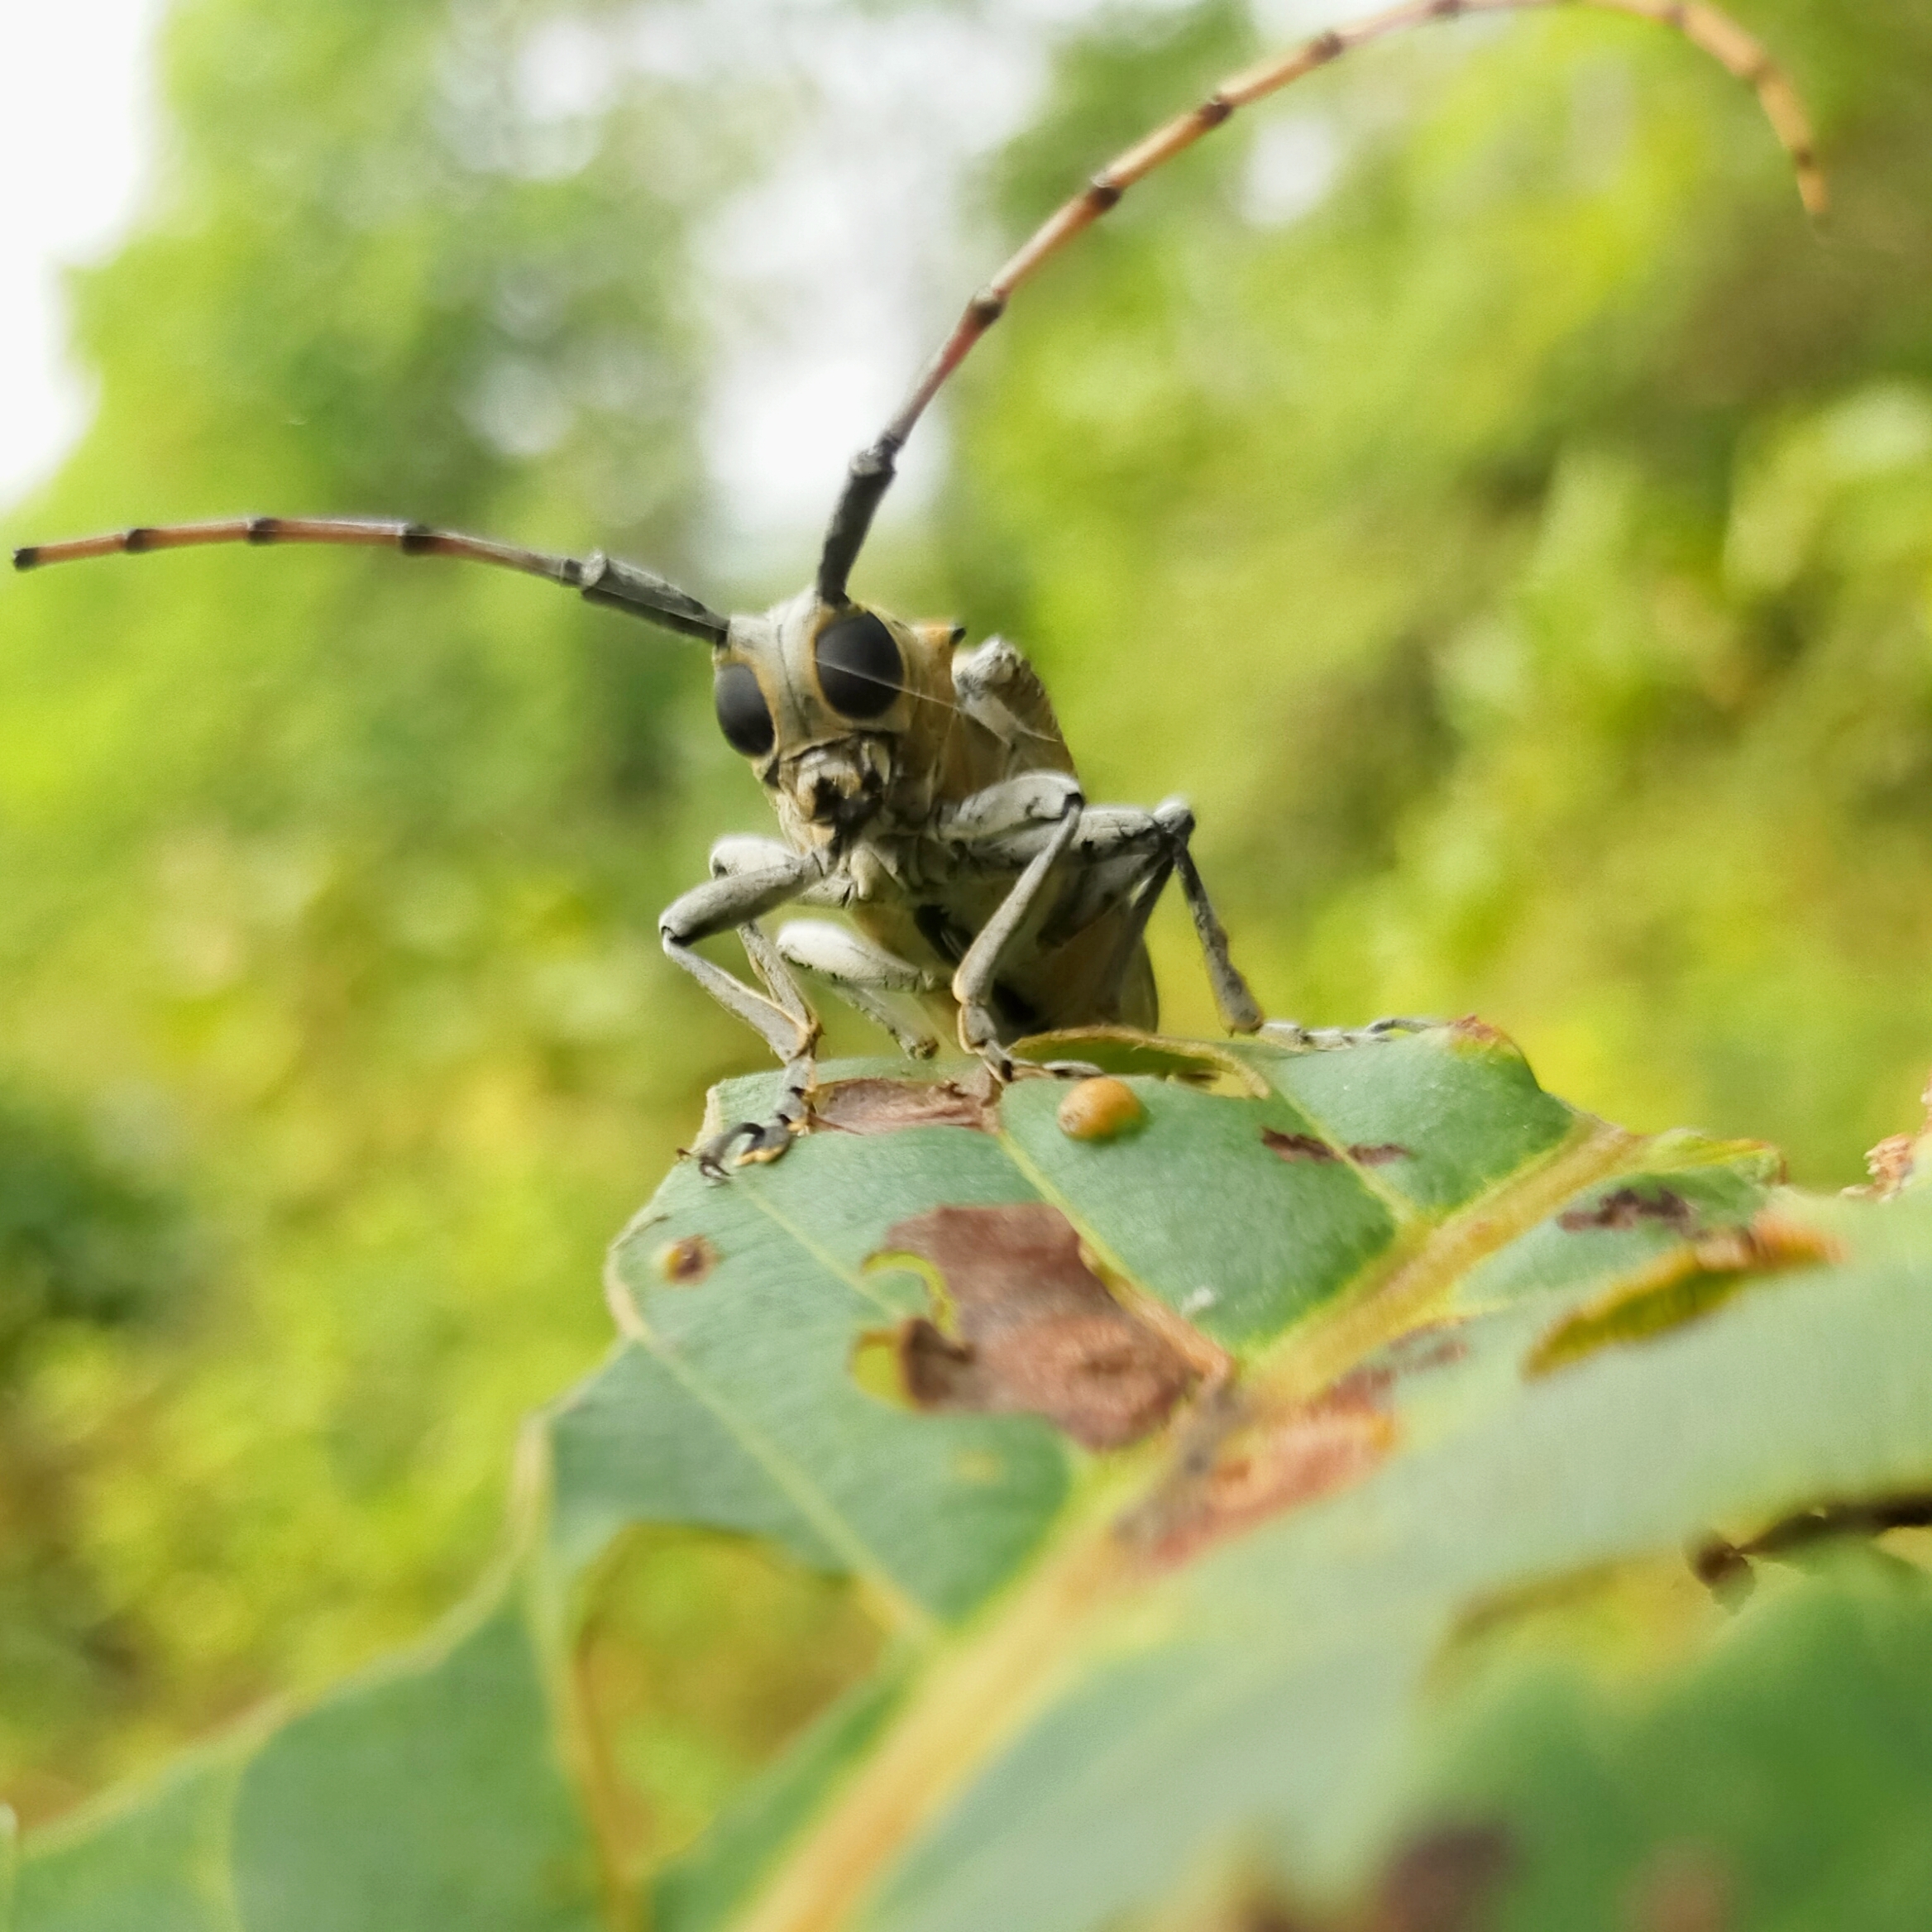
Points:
(780, 1017)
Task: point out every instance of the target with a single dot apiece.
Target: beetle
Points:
(924, 789)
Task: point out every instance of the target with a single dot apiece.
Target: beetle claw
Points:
(764, 1142)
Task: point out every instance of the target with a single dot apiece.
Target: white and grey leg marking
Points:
(1328, 1038)
(1232, 1000)
(1108, 835)
(859, 972)
(972, 981)
(1240, 1013)
(739, 899)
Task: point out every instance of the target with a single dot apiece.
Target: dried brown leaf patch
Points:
(886, 1107)
(1023, 1325)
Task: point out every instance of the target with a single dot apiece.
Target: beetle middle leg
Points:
(752, 878)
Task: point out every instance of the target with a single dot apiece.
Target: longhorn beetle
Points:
(924, 789)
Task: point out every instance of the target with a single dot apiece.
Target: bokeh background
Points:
(1469, 479)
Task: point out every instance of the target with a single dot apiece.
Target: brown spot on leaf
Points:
(685, 1264)
(1311, 1147)
(884, 1106)
(1378, 1154)
(1101, 1109)
(1029, 1328)
(1770, 1240)
(1297, 1146)
(1681, 1285)
(1440, 1881)
(1630, 1207)
(1240, 1468)
(1894, 1163)
(1479, 1032)
(1435, 1345)
(1683, 1888)
(1891, 1164)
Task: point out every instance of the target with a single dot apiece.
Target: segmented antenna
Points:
(601, 579)
(1713, 33)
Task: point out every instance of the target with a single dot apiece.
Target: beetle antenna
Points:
(1705, 26)
(601, 579)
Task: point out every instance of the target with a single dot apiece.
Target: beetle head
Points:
(822, 700)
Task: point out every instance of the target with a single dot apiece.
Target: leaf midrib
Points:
(984, 1688)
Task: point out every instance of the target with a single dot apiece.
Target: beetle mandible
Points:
(922, 789)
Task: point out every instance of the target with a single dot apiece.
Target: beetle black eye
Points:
(859, 669)
(743, 715)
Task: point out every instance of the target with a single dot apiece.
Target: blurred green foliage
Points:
(1522, 558)
(332, 882)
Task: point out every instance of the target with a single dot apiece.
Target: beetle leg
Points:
(1327, 1039)
(1006, 820)
(782, 1019)
(972, 980)
(1232, 1000)
(1032, 801)
(1164, 833)
(859, 972)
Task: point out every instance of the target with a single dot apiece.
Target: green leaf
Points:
(432, 1795)
(1784, 1782)
(428, 1793)
(1397, 1594)
(153, 1862)
(934, 1512)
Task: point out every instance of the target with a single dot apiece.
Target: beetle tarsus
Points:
(763, 1141)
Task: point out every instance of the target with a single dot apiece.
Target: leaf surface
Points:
(1291, 1643)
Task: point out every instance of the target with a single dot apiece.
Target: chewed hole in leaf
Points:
(698, 1658)
(1021, 1324)
(1679, 1287)
(1122, 1051)
(1617, 1621)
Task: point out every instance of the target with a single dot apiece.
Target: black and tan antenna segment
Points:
(1705, 27)
(603, 580)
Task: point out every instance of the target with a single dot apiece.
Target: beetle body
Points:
(881, 796)
(926, 791)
